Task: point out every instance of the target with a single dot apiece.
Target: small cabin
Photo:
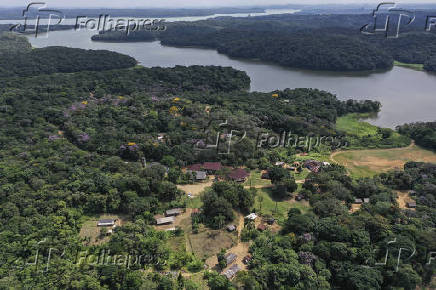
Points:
(106, 223)
(411, 204)
(358, 201)
(230, 258)
(239, 175)
(251, 216)
(231, 228)
(232, 271)
(173, 212)
(200, 175)
(165, 221)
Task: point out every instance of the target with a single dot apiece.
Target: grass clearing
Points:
(197, 188)
(209, 242)
(352, 125)
(91, 232)
(277, 208)
(367, 163)
(403, 198)
(414, 66)
(255, 179)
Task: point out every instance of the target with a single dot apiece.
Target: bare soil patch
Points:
(197, 188)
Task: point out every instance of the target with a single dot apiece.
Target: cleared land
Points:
(197, 188)
(367, 163)
(277, 208)
(91, 232)
(206, 243)
(403, 198)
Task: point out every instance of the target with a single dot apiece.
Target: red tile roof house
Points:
(239, 175)
(195, 167)
(212, 167)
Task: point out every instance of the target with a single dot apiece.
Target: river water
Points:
(406, 95)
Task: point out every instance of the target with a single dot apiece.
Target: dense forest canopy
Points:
(73, 144)
(319, 42)
(423, 133)
(21, 62)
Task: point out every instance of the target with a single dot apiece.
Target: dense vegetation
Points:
(12, 43)
(60, 60)
(423, 133)
(319, 42)
(72, 148)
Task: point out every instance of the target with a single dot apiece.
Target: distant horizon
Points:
(84, 4)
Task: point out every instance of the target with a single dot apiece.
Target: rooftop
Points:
(200, 175)
(106, 222)
(238, 174)
(231, 272)
(174, 211)
(251, 216)
(195, 167)
(230, 258)
(212, 166)
(165, 220)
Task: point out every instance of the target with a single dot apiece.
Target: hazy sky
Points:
(185, 3)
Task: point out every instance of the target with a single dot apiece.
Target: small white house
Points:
(251, 216)
(106, 223)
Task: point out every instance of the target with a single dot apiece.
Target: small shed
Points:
(230, 258)
(231, 228)
(358, 201)
(165, 220)
(200, 175)
(366, 200)
(411, 204)
(106, 223)
(173, 212)
(232, 271)
(251, 216)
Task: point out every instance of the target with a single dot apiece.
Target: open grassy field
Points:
(363, 135)
(255, 179)
(206, 243)
(280, 212)
(352, 125)
(367, 163)
(91, 232)
(196, 188)
(415, 66)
